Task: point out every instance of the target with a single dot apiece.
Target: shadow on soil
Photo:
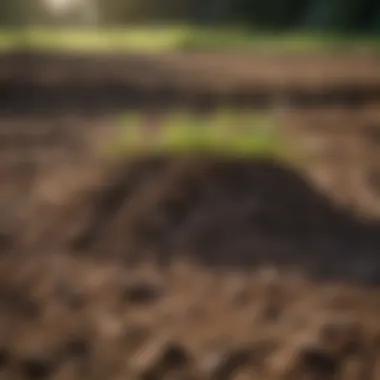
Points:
(237, 214)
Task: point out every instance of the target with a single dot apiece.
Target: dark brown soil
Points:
(196, 267)
(224, 212)
(99, 83)
(178, 267)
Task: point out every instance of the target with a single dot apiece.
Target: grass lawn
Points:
(179, 38)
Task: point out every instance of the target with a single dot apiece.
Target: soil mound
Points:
(236, 213)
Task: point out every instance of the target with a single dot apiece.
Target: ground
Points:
(185, 266)
(100, 82)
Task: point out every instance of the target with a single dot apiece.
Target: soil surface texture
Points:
(186, 267)
(43, 82)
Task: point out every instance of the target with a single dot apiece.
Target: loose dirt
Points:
(44, 82)
(188, 267)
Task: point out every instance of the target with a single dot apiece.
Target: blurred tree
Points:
(22, 12)
(272, 14)
(13, 13)
(340, 15)
(375, 22)
(118, 11)
(344, 15)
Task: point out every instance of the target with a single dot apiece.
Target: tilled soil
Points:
(185, 267)
(182, 268)
(99, 82)
(72, 318)
(189, 267)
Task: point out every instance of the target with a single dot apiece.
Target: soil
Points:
(189, 267)
(44, 82)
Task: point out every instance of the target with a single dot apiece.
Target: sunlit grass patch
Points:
(149, 39)
(224, 133)
(179, 38)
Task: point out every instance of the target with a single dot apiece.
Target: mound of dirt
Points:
(219, 212)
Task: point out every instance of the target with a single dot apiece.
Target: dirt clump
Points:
(235, 213)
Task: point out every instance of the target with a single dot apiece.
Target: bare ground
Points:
(189, 267)
(99, 83)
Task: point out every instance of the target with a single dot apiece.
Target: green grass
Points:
(225, 133)
(129, 39)
(179, 38)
